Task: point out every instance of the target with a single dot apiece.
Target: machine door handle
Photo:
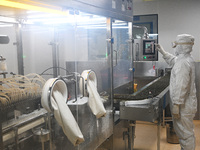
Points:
(116, 57)
(132, 69)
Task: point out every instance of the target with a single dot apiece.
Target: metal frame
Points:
(110, 50)
(19, 49)
(121, 10)
(131, 42)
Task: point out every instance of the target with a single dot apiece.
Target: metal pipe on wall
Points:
(55, 55)
(130, 25)
(54, 59)
(1, 132)
(110, 51)
(19, 48)
(56, 36)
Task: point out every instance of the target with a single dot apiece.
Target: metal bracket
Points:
(131, 40)
(110, 40)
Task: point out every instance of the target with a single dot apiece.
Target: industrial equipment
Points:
(67, 31)
(144, 47)
(145, 104)
(20, 109)
(145, 50)
(89, 37)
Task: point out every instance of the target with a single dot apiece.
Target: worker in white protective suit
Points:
(183, 103)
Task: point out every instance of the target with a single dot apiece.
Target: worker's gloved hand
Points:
(175, 111)
(160, 49)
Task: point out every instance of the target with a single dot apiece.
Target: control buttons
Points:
(148, 57)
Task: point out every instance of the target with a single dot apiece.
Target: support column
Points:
(19, 49)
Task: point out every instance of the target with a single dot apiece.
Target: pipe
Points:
(54, 58)
(110, 41)
(132, 125)
(131, 41)
(1, 132)
(19, 49)
(82, 86)
(158, 135)
(50, 133)
(16, 138)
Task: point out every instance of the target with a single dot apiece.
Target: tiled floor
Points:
(146, 134)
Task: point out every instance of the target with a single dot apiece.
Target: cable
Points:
(52, 68)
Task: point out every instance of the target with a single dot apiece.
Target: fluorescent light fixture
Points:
(32, 12)
(102, 27)
(42, 16)
(6, 19)
(80, 20)
(24, 6)
(155, 34)
(125, 27)
(5, 25)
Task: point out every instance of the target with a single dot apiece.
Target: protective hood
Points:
(184, 44)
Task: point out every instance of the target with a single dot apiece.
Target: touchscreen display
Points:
(149, 47)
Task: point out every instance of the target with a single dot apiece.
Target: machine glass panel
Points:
(121, 53)
(91, 57)
(55, 47)
(9, 50)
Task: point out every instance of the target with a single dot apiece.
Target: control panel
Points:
(144, 50)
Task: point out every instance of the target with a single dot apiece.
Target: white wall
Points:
(174, 17)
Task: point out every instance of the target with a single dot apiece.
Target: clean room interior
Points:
(86, 75)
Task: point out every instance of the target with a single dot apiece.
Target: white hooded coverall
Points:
(182, 90)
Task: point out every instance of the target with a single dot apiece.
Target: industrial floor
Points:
(146, 137)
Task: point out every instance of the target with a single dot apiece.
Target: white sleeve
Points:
(170, 59)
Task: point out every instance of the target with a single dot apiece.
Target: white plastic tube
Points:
(95, 101)
(55, 93)
(66, 119)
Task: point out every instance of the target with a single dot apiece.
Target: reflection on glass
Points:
(91, 49)
(122, 53)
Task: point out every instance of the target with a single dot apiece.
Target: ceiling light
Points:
(24, 6)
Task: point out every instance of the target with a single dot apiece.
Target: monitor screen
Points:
(148, 47)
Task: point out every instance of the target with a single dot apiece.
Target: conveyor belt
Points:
(25, 106)
(150, 90)
(137, 107)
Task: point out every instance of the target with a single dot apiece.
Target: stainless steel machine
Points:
(144, 46)
(62, 38)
